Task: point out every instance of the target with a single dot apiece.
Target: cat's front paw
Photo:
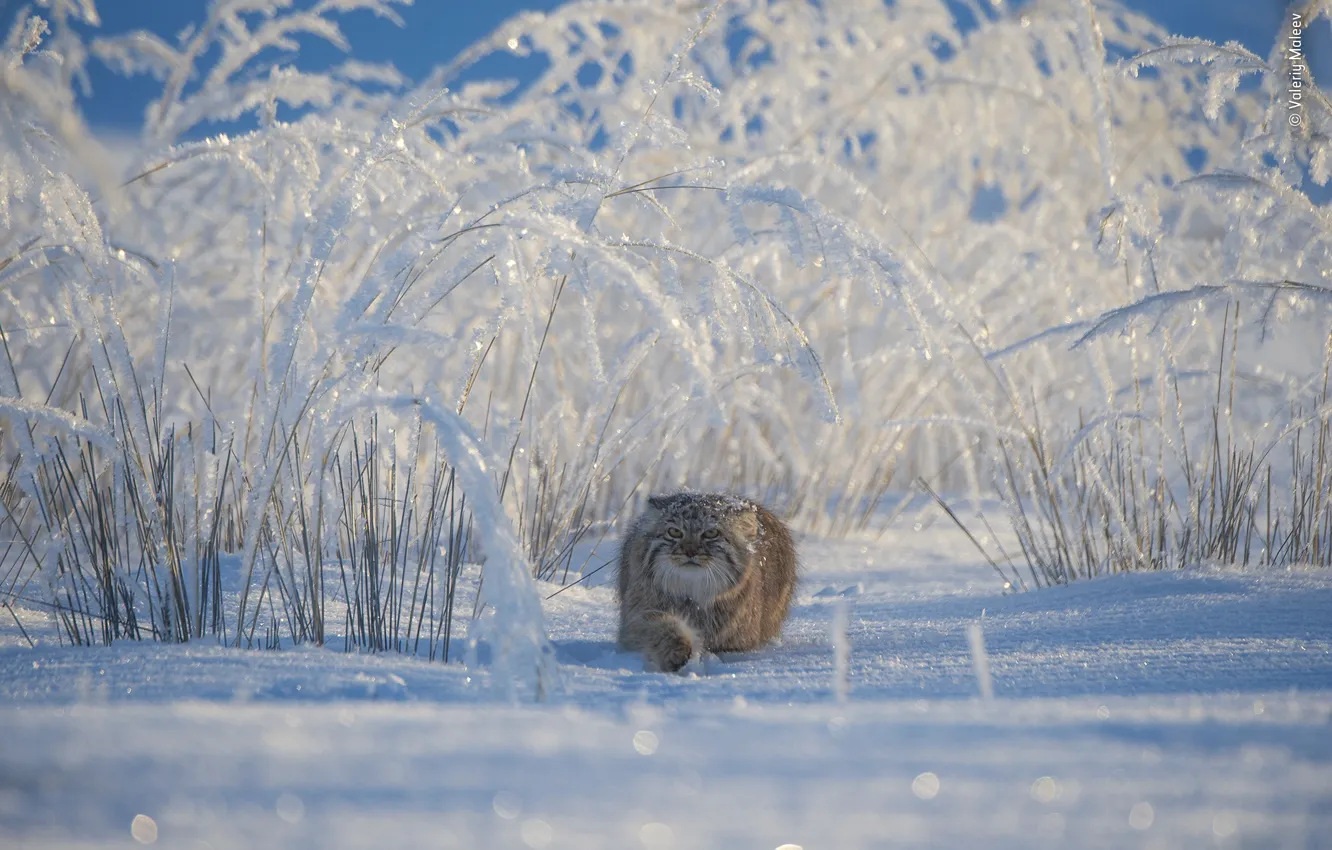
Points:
(674, 652)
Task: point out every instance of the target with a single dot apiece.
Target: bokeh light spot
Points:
(645, 742)
(1224, 824)
(507, 805)
(144, 829)
(1045, 790)
(290, 808)
(925, 786)
(1141, 816)
(536, 833)
(656, 836)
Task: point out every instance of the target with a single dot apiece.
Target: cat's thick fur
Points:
(703, 572)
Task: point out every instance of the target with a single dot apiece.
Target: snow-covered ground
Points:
(1150, 710)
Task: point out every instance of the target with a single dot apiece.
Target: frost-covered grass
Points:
(813, 252)
(1132, 491)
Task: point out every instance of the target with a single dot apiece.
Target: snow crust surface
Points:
(1186, 709)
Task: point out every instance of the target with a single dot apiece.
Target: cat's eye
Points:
(711, 534)
(674, 533)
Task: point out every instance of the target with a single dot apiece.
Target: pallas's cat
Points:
(703, 572)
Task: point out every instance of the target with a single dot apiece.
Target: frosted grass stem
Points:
(841, 649)
(980, 660)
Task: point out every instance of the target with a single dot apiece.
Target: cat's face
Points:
(698, 547)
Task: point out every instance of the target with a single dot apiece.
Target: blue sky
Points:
(438, 29)
(435, 31)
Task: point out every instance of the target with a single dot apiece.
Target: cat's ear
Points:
(745, 524)
(658, 502)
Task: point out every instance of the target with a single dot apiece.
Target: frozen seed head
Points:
(144, 829)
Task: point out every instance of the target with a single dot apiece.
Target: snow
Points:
(1174, 709)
